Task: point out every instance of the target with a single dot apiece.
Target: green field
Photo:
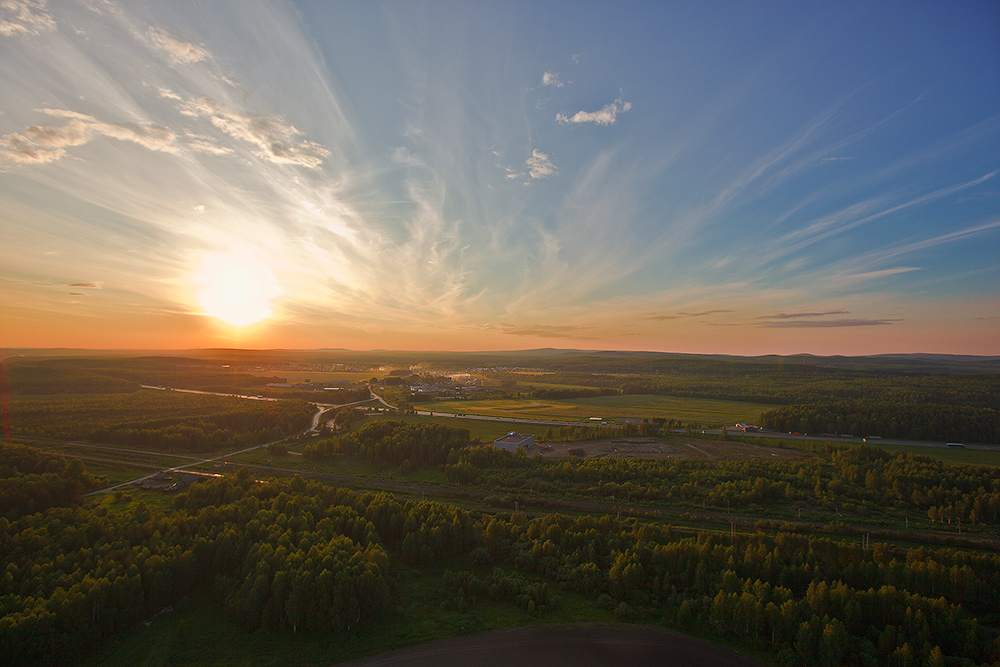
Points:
(983, 457)
(704, 411)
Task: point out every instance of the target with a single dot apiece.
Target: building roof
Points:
(515, 439)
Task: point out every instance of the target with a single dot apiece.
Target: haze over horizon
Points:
(774, 178)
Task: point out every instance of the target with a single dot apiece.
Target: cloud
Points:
(90, 285)
(539, 165)
(607, 115)
(24, 17)
(178, 51)
(825, 324)
(48, 143)
(678, 316)
(793, 316)
(275, 140)
(536, 330)
(169, 94)
(552, 79)
(203, 144)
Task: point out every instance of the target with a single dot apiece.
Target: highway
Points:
(732, 431)
(313, 429)
(322, 407)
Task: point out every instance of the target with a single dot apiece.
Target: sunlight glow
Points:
(237, 286)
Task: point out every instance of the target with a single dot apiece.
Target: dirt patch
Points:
(577, 645)
(677, 447)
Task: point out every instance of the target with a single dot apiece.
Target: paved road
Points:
(511, 420)
(732, 430)
(320, 408)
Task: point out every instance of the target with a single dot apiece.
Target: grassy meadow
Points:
(704, 411)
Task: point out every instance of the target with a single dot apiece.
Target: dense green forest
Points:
(775, 384)
(102, 375)
(160, 420)
(889, 420)
(300, 557)
(393, 443)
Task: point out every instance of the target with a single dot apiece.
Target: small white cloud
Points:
(607, 115)
(539, 165)
(178, 51)
(25, 17)
(200, 208)
(169, 94)
(552, 79)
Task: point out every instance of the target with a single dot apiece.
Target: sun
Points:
(237, 286)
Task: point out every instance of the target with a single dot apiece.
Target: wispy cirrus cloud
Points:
(826, 324)
(540, 165)
(48, 143)
(795, 316)
(536, 330)
(25, 17)
(683, 315)
(177, 50)
(274, 139)
(606, 115)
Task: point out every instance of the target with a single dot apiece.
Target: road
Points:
(511, 420)
(322, 407)
(313, 429)
(732, 430)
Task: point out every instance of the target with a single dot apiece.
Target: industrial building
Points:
(514, 441)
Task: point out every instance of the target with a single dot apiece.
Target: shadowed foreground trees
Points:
(300, 557)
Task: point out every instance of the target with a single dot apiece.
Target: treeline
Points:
(297, 556)
(395, 443)
(158, 419)
(279, 557)
(783, 387)
(648, 427)
(32, 481)
(38, 379)
(572, 393)
(105, 375)
(888, 420)
(803, 600)
(781, 384)
(861, 482)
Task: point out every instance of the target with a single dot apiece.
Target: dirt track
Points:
(603, 645)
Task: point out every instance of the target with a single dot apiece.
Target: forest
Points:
(300, 557)
(889, 420)
(894, 561)
(160, 420)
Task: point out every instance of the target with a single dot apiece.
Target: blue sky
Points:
(701, 177)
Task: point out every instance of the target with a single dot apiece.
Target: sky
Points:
(707, 177)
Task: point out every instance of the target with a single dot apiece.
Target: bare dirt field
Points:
(577, 645)
(674, 448)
